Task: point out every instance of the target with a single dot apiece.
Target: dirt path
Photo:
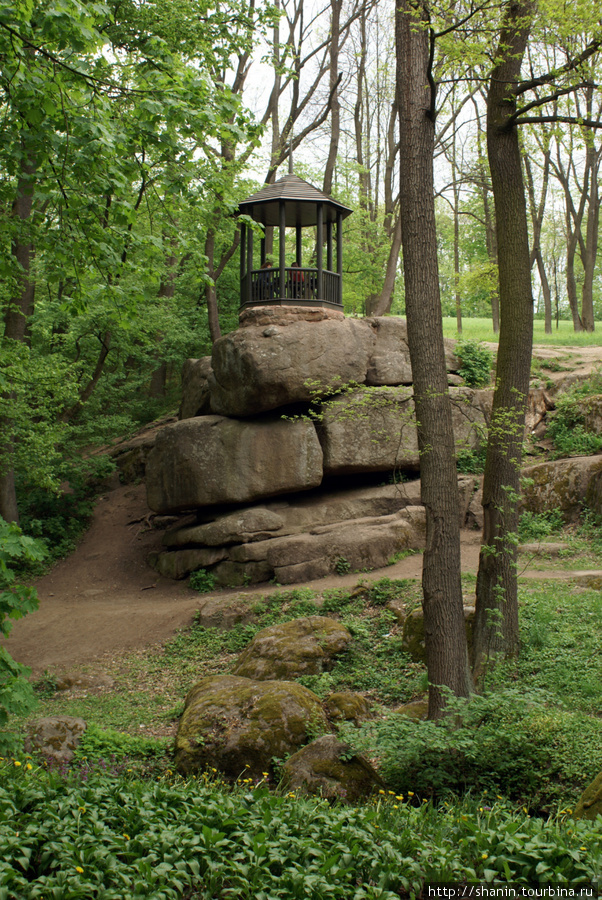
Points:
(105, 599)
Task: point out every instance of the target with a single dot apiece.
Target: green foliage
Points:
(342, 566)
(472, 462)
(568, 428)
(476, 362)
(381, 592)
(17, 696)
(123, 838)
(202, 581)
(107, 743)
(534, 526)
(509, 742)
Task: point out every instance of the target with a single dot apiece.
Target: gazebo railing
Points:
(299, 284)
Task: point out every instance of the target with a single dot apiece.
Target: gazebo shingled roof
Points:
(301, 203)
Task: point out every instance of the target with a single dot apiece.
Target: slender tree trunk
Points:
(20, 307)
(335, 109)
(445, 635)
(496, 620)
(382, 302)
(590, 244)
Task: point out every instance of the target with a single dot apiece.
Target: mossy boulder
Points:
(347, 706)
(590, 803)
(329, 768)
(414, 709)
(237, 725)
(413, 632)
(305, 646)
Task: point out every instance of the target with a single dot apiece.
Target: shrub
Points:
(476, 361)
(202, 581)
(533, 526)
(506, 742)
(17, 695)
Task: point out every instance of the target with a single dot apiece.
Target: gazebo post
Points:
(340, 255)
(249, 264)
(320, 241)
(298, 244)
(282, 247)
(329, 245)
(243, 242)
(262, 249)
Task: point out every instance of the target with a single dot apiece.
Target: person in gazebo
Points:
(265, 281)
(296, 281)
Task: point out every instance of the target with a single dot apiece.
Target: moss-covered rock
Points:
(415, 709)
(305, 646)
(237, 725)
(590, 803)
(329, 768)
(413, 632)
(347, 706)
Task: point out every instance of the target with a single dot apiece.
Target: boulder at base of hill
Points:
(347, 706)
(239, 726)
(590, 803)
(56, 737)
(328, 767)
(304, 646)
(212, 460)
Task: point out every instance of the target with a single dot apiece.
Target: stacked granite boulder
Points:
(290, 407)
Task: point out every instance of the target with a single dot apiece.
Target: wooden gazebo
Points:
(293, 203)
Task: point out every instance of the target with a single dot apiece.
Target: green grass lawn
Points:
(563, 336)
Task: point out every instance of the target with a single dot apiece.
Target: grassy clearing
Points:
(563, 336)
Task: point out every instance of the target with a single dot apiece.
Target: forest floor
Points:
(104, 600)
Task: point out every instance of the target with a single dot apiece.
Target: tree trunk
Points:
(335, 109)
(210, 293)
(496, 620)
(20, 307)
(381, 303)
(445, 635)
(590, 245)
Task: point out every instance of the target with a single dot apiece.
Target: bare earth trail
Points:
(105, 600)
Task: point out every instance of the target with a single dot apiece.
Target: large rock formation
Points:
(329, 398)
(565, 484)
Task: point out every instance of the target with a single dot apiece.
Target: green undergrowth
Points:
(117, 837)
(534, 738)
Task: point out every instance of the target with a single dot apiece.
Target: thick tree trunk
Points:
(496, 621)
(445, 635)
(335, 108)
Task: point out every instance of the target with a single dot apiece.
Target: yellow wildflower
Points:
(126, 836)
(410, 793)
(399, 796)
(79, 870)
(381, 792)
(484, 855)
(16, 762)
(29, 766)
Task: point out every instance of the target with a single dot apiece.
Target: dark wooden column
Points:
(340, 256)
(298, 248)
(282, 233)
(319, 244)
(329, 245)
(243, 250)
(249, 265)
(262, 249)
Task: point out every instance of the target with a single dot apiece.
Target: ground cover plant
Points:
(117, 837)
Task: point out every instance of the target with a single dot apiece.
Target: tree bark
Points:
(496, 621)
(20, 307)
(445, 635)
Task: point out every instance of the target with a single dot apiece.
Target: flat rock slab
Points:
(212, 460)
(56, 737)
(238, 726)
(305, 646)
